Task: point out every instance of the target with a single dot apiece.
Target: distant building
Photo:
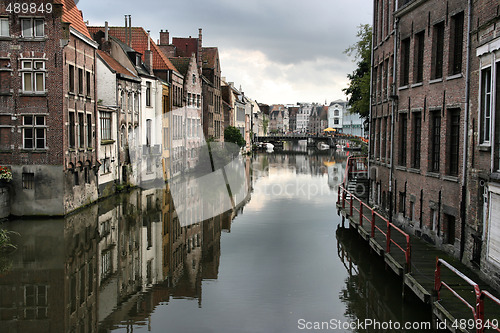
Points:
(352, 123)
(336, 112)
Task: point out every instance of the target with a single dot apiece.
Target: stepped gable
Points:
(140, 44)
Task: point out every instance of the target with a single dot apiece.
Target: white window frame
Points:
(32, 71)
(4, 27)
(492, 191)
(482, 129)
(34, 23)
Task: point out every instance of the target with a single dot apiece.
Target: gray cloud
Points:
(285, 31)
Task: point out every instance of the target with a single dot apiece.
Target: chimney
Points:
(106, 31)
(199, 48)
(164, 37)
(148, 55)
(126, 30)
(106, 45)
(130, 30)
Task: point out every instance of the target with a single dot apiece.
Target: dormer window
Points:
(137, 59)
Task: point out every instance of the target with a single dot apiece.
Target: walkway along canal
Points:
(458, 296)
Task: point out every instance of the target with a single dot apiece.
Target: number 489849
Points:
(28, 8)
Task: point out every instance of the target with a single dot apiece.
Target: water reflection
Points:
(111, 266)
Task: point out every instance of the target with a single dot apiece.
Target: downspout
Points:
(463, 203)
(393, 111)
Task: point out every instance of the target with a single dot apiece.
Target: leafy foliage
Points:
(233, 135)
(359, 85)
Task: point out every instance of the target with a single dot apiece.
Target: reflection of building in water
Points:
(335, 173)
(114, 262)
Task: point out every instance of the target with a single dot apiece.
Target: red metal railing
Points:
(480, 295)
(368, 214)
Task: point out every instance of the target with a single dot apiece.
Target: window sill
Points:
(436, 80)
(484, 148)
(415, 85)
(454, 77)
(451, 179)
(37, 151)
(401, 168)
(495, 176)
(433, 175)
(5, 38)
(403, 87)
(33, 94)
(6, 94)
(413, 170)
(33, 39)
(107, 142)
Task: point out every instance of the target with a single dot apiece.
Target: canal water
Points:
(152, 260)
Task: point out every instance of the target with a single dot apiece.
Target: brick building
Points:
(48, 109)
(418, 113)
(213, 115)
(483, 182)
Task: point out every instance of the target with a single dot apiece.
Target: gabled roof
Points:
(181, 63)
(72, 15)
(140, 44)
(185, 46)
(115, 65)
(209, 56)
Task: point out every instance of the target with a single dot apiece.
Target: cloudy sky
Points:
(279, 51)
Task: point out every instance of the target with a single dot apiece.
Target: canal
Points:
(154, 260)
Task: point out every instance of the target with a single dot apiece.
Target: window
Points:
(194, 79)
(418, 65)
(336, 121)
(405, 62)
(485, 135)
(33, 75)
(402, 139)
(81, 130)
(4, 27)
(34, 130)
(449, 231)
(71, 78)
(437, 51)
(89, 130)
(88, 84)
(148, 93)
(105, 125)
(417, 130)
(189, 99)
(434, 219)
(435, 141)
(456, 43)
(28, 180)
(71, 130)
(453, 152)
(31, 27)
(80, 81)
(35, 302)
(148, 132)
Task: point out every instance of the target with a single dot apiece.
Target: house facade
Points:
(48, 67)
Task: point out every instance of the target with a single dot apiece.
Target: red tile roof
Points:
(140, 44)
(113, 64)
(74, 16)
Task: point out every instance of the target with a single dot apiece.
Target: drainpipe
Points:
(463, 203)
(393, 112)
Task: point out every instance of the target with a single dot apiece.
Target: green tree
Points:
(233, 135)
(359, 81)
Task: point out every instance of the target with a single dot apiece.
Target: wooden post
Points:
(373, 223)
(388, 238)
(437, 278)
(360, 213)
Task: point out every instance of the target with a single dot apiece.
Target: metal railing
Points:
(369, 214)
(478, 308)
